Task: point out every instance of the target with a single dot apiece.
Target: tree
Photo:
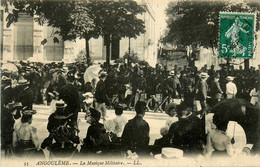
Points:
(197, 22)
(83, 19)
(117, 19)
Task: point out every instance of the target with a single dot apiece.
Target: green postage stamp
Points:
(237, 35)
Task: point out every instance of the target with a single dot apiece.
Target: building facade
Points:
(25, 39)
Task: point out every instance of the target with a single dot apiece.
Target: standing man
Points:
(201, 91)
(135, 137)
(231, 88)
(173, 85)
(140, 87)
(101, 96)
(215, 90)
(70, 95)
(26, 96)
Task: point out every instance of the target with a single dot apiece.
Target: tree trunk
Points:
(107, 43)
(115, 47)
(87, 51)
(246, 65)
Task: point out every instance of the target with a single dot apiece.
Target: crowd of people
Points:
(185, 94)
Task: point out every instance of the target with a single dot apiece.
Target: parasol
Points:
(91, 73)
(230, 110)
(32, 59)
(9, 67)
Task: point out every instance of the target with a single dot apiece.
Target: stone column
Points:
(37, 38)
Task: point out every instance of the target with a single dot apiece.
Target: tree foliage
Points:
(82, 19)
(71, 18)
(197, 22)
(118, 19)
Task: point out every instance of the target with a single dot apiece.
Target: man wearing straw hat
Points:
(201, 91)
(231, 88)
(101, 97)
(26, 96)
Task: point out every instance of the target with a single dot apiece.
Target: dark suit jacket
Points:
(100, 94)
(188, 133)
(201, 90)
(94, 131)
(27, 98)
(135, 136)
(215, 90)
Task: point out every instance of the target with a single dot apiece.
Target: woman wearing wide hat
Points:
(25, 139)
(62, 130)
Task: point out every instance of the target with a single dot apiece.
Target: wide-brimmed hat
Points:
(27, 111)
(169, 107)
(88, 98)
(127, 85)
(60, 104)
(88, 94)
(52, 71)
(172, 72)
(53, 94)
(28, 68)
(13, 105)
(230, 78)
(60, 113)
(23, 82)
(6, 71)
(88, 101)
(203, 75)
(169, 153)
(5, 78)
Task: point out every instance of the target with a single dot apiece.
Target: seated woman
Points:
(120, 120)
(95, 130)
(109, 143)
(25, 139)
(188, 133)
(62, 131)
(164, 141)
(170, 110)
(218, 142)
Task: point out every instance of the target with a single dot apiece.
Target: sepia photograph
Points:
(130, 83)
